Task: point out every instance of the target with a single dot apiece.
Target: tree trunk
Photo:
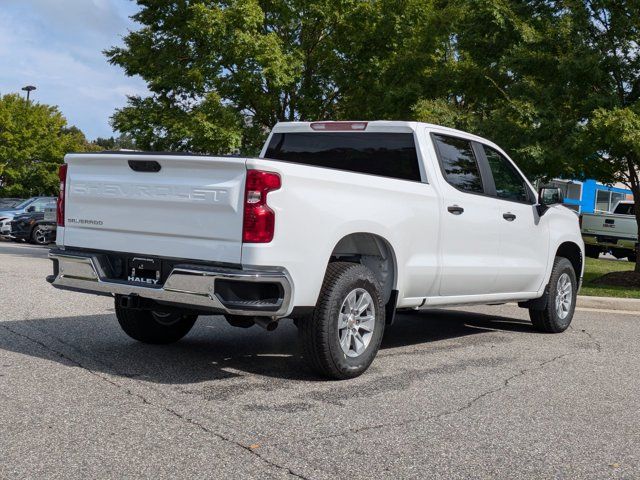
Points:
(637, 210)
(634, 183)
(636, 200)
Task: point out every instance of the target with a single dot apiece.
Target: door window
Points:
(458, 162)
(39, 205)
(509, 183)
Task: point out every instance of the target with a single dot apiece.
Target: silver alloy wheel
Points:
(564, 296)
(356, 322)
(40, 236)
(165, 318)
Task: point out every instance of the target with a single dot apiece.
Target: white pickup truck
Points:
(615, 232)
(335, 225)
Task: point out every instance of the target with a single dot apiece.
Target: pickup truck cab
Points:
(336, 225)
(615, 232)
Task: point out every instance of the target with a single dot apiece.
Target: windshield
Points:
(23, 204)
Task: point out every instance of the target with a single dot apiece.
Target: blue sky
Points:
(57, 46)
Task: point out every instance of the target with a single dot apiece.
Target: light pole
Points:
(28, 89)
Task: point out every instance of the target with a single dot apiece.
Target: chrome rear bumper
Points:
(188, 285)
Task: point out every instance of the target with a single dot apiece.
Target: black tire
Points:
(39, 235)
(320, 334)
(549, 320)
(154, 327)
(592, 251)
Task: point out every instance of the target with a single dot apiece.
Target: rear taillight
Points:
(259, 219)
(62, 173)
(580, 220)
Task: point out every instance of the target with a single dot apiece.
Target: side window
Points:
(40, 205)
(509, 183)
(459, 163)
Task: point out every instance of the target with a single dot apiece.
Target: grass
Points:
(596, 268)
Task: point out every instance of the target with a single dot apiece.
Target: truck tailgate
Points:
(609, 224)
(179, 206)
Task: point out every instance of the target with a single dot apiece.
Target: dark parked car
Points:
(37, 227)
(34, 204)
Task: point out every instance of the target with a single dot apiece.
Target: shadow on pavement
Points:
(214, 350)
(21, 249)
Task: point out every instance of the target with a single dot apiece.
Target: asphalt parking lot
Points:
(464, 393)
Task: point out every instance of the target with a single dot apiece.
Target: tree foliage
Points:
(123, 141)
(556, 83)
(33, 141)
(221, 74)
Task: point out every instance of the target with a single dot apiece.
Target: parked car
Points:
(336, 225)
(34, 204)
(37, 227)
(615, 233)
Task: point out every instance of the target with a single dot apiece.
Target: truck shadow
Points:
(215, 351)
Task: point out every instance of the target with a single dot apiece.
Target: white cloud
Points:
(57, 46)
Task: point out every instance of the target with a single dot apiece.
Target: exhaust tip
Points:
(268, 324)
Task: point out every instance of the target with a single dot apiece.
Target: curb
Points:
(609, 303)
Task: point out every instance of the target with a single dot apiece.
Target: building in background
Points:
(590, 196)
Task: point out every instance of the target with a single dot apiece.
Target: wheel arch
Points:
(572, 252)
(374, 252)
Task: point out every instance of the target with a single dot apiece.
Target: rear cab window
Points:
(625, 209)
(384, 154)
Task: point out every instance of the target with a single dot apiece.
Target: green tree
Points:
(610, 135)
(556, 83)
(33, 141)
(511, 73)
(221, 74)
(121, 142)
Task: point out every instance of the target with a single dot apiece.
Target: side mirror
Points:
(30, 209)
(548, 196)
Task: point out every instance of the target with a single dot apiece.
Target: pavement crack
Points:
(506, 383)
(145, 401)
(593, 339)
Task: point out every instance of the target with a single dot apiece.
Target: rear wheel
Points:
(39, 235)
(592, 251)
(630, 255)
(561, 294)
(154, 327)
(342, 336)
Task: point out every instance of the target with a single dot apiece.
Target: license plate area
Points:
(144, 270)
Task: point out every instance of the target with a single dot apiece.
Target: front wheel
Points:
(562, 293)
(154, 327)
(39, 235)
(342, 336)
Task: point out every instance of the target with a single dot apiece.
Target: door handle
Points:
(509, 217)
(455, 209)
